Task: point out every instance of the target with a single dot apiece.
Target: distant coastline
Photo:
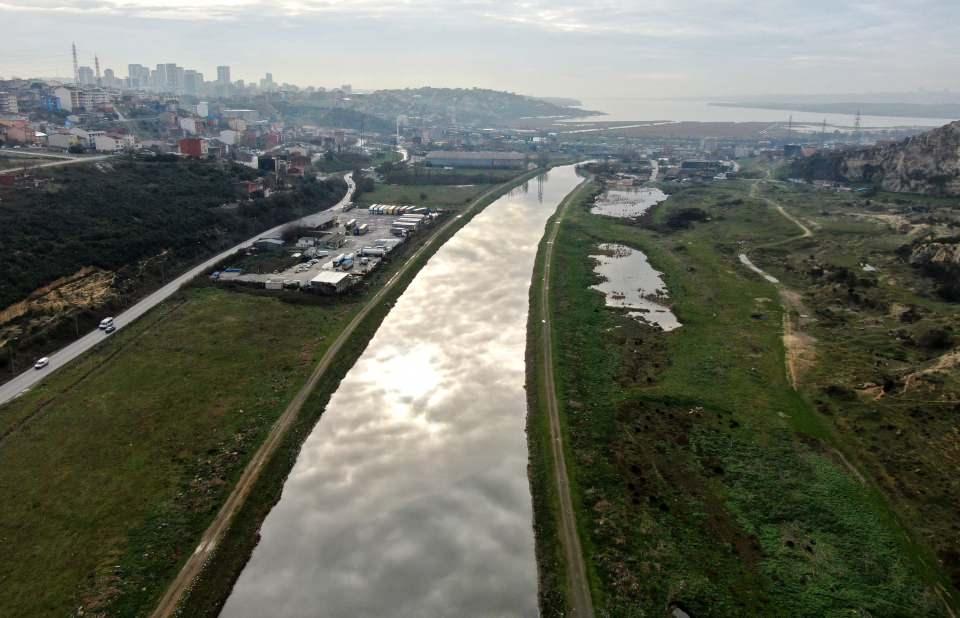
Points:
(944, 111)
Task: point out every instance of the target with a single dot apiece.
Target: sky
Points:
(588, 49)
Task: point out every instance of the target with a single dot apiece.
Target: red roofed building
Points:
(193, 147)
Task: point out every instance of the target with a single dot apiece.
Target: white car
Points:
(40, 364)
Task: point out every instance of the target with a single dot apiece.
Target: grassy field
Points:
(704, 480)
(119, 461)
(440, 196)
(12, 162)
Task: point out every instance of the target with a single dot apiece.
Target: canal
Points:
(410, 497)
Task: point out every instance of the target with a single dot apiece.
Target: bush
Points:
(934, 338)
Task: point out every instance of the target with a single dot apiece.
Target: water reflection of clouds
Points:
(410, 497)
(630, 282)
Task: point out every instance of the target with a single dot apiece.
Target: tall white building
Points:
(85, 75)
(139, 76)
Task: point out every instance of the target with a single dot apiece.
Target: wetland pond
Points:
(631, 283)
(627, 202)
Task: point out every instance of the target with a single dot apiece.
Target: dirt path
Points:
(798, 345)
(218, 528)
(58, 163)
(805, 232)
(581, 603)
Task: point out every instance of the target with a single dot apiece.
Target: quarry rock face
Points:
(928, 163)
(940, 254)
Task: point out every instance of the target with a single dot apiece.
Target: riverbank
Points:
(702, 480)
(563, 574)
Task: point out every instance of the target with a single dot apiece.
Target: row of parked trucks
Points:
(408, 224)
(357, 230)
(386, 209)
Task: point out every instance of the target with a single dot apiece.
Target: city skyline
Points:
(681, 48)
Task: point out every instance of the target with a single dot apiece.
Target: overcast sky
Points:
(561, 48)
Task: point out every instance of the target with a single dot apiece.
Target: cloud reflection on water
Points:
(410, 497)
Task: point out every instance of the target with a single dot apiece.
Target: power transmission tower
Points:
(823, 133)
(790, 130)
(857, 137)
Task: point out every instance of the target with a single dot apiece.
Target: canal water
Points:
(410, 497)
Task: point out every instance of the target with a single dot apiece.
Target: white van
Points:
(105, 322)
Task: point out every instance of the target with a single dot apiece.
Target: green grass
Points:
(12, 162)
(441, 196)
(703, 480)
(553, 580)
(127, 453)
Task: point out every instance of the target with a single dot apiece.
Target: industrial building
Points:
(482, 159)
(331, 281)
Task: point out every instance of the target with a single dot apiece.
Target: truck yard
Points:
(334, 252)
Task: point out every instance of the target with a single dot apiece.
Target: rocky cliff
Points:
(939, 259)
(928, 163)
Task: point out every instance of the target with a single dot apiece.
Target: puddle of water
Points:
(625, 203)
(631, 283)
(746, 262)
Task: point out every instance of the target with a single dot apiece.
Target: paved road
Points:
(60, 358)
(221, 524)
(581, 603)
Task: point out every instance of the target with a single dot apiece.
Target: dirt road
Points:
(799, 346)
(57, 163)
(581, 603)
(221, 524)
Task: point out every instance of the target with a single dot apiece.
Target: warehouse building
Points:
(331, 281)
(483, 159)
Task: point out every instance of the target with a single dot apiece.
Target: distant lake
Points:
(700, 110)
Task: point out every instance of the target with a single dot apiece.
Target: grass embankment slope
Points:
(703, 480)
(439, 196)
(112, 467)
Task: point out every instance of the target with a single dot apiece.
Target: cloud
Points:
(577, 46)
